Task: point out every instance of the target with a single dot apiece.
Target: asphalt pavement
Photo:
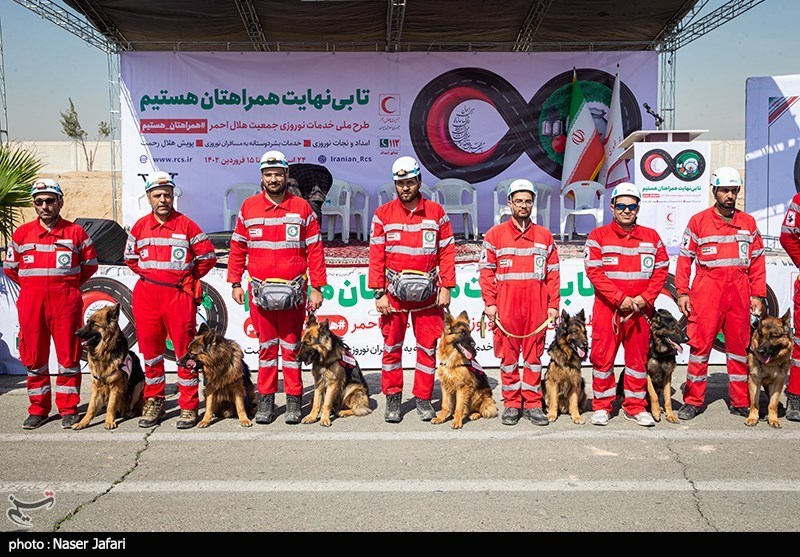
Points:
(712, 474)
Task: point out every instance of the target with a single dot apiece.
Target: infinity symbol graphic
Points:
(657, 164)
(437, 143)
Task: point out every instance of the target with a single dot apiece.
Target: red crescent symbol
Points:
(670, 217)
(384, 103)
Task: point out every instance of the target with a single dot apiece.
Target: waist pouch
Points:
(411, 286)
(277, 294)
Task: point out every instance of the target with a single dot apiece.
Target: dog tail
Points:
(488, 409)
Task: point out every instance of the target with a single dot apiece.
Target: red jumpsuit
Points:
(277, 241)
(420, 240)
(519, 273)
(169, 258)
(730, 268)
(790, 240)
(50, 266)
(622, 263)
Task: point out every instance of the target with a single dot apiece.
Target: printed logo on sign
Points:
(178, 254)
(16, 514)
(429, 239)
(389, 105)
(292, 231)
(389, 143)
(63, 260)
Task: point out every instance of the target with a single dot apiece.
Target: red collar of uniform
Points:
(528, 233)
(420, 209)
(633, 232)
(268, 204)
(57, 230)
(169, 223)
(719, 222)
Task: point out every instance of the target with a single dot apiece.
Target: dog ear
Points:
(325, 325)
(787, 320)
(564, 316)
(202, 328)
(209, 335)
(114, 313)
(464, 316)
(581, 316)
(311, 320)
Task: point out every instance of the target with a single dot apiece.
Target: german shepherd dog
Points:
(768, 361)
(339, 384)
(228, 388)
(563, 386)
(666, 337)
(465, 388)
(117, 374)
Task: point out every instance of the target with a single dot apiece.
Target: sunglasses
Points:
(49, 201)
(622, 206)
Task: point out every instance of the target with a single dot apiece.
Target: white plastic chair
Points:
(387, 192)
(501, 209)
(360, 213)
(337, 204)
(450, 193)
(544, 197)
(588, 201)
(234, 197)
(146, 209)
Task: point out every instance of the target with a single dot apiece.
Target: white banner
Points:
(208, 117)
(350, 308)
(673, 178)
(772, 144)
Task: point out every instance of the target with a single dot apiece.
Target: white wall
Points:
(68, 156)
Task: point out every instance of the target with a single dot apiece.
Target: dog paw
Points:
(437, 420)
(751, 421)
(775, 423)
(308, 420)
(552, 417)
(111, 424)
(325, 422)
(245, 423)
(673, 419)
(457, 424)
(79, 426)
(578, 420)
(204, 423)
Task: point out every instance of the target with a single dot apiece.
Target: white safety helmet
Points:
(46, 185)
(625, 188)
(274, 159)
(727, 177)
(405, 167)
(156, 179)
(521, 184)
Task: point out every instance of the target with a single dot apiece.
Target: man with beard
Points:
(170, 253)
(520, 262)
(729, 285)
(412, 267)
(277, 241)
(50, 258)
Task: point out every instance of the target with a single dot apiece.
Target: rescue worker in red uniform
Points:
(729, 285)
(790, 240)
(50, 258)
(277, 241)
(411, 249)
(627, 265)
(519, 263)
(170, 253)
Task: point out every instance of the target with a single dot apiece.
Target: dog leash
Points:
(496, 321)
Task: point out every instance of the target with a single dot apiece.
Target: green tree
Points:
(18, 170)
(71, 127)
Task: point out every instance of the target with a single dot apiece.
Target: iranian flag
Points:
(583, 154)
(615, 169)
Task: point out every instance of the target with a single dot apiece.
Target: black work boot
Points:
(393, 408)
(265, 413)
(510, 416)
(425, 409)
(293, 405)
(793, 407)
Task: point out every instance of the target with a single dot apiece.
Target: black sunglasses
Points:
(622, 206)
(49, 201)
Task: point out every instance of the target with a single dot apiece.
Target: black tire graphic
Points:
(797, 172)
(701, 165)
(645, 168)
(215, 316)
(111, 289)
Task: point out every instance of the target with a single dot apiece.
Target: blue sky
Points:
(46, 65)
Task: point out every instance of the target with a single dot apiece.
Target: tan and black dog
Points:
(228, 388)
(564, 387)
(117, 375)
(465, 388)
(768, 362)
(339, 385)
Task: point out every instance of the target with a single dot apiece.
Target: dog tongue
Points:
(464, 352)
(676, 346)
(581, 352)
(190, 364)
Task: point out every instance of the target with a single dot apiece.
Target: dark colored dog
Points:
(117, 375)
(465, 388)
(666, 337)
(564, 386)
(338, 381)
(768, 361)
(228, 388)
